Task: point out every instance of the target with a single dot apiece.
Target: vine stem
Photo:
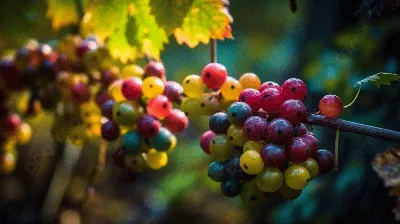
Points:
(336, 168)
(213, 52)
(355, 98)
(352, 127)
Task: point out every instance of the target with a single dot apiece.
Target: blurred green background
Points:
(326, 43)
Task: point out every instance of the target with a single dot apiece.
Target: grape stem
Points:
(336, 168)
(213, 51)
(355, 98)
(352, 127)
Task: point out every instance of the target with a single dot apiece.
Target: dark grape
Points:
(110, 75)
(80, 93)
(230, 188)
(279, 131)
(110, 131)
(216, 171)
(294, 111)
(107, 109)
(101, 97)
(299, 130)
(325, 160)
(132, 142)
(118, 157)
(173, 91)
(298, 150)
(163, 140)
(155, 68)
(294, 89)
(255, 128)
(128, 176)
(273, 155)
(148, 126)
(9, 74)
(232, 169)
(313, 142)
(238, 113)
(219, 123)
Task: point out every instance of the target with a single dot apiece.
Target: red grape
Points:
(294, 111)
(160, 107)
(110, 75)
(255, 128)
(279, 131)
(102, 97)
(313, 143)
(294, 89)
(86, 46)
(176, 121)
(80, 93)
(214, 75)
(298, 150)
(205, 140)
(132, 88)
(299, 130)
(173, 91)
(155, 68)
(10, 124)
(252, 97)
(331, 106)
(269, 85)
(273, 155)
(271, 100)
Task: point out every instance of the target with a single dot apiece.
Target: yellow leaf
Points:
(62, 13)
(205, 20)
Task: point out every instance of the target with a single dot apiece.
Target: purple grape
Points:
(298, 150)
(325, 160)
(110, 131)
(255, 128)
(107, 108)
(219, 123)
(173, 91)
(273, 155)
(279, 131)
(299, 130)
(148, 126)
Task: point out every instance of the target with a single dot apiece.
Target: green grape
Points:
(312, 166)
(163, 140)
(270, 179)
(236, 135)
(125, 113)
(250, 194)
(252, 145)
(156, 160)
(193, 86)
(220, 148)
(192, 107)
(297, 177)
(135, 162)
(251, 162)
(289, 193)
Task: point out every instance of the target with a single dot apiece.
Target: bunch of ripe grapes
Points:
(261, 143)
(95, 97)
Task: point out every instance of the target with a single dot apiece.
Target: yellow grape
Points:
(312, 166)
(297, 177)
(251, 162)
(250, 80)
(231, 89)
(24, 134)
(252, 145)
(132, 70)
(114, 90)
(88, 110)
(152, 87)
(8, 145)
(193, 86)
(76, 137)
(173, 144)
(192, 107)
(236, 135)
(270, 179)
(135, 162)
(156, 160)
(7, 163)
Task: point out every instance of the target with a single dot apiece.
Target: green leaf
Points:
(102, 17)
(379, 79)
(206, 19)
(62, 13)
(169, 14)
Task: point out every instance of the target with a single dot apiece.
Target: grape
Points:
(270, 100)
(132, 88)
(230, 188)
(331, 106)
(135, 162)
(279, 131)
(163, 140)
(125, 113)
(24, 135)
(214, 75)
(220, 148)
(250, 194)
(10, 124)
(152, 87)
(273, 155)
(252, 145)
(294, 89)
(64, 83)
(233, 171)
(313, 142)
(173, 144)
(191, 107)
(156, 160)
(205, 141)
(325, 160)
(115, 91)
(289, 193)
(118, 157)
(176, 121)
(250, 80)
(294, 111)
(209, 104)
(132, 142)
(252, 97)
(156, 69)
(132, 70)
(312, 166)
(107, 109)
(255, 128)
(298, 150)
(85, 47)
(110, 75)
(299, 130)
(225, 103)
(102, 97)
(236, 136)
(297, 177)
(160, 107)
(231, 89)
(238, 113)
(173, 91)
(261, 114)
(7, 163)
(128, 176)
(251, 162)
(269, 85)
(148, 126)
(80, 93)
(270, 179)
(110, 131)
(193, 86)
(219, 123)
(216, 171)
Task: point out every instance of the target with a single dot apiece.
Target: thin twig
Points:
(355, 98)
(213, 51)
(336, 168)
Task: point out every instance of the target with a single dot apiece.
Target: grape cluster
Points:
(260, 144)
